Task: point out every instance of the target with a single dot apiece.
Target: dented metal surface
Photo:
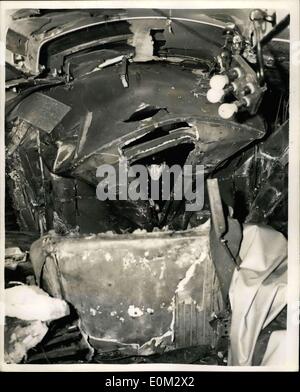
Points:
(142, 293)
(49, 114)
(36, 32)
(270, 203)
(93, 87)
(169, 115)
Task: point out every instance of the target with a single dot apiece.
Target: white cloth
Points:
(257, 291)
(275, 354)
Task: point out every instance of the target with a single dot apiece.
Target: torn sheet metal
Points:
(255, 182)
(47, 113)
(142, 40)
(152, 116)
(149, 284)
(108, 133)
(31, 34)
(257, 291)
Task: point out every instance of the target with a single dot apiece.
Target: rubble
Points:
(14, 256)
(20, 336)
(28, 311)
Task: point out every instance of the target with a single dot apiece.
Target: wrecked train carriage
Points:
(87, 116)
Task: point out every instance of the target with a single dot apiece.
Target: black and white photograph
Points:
(150, 185)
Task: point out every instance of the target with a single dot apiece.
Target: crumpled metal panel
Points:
(98, 123)
(269, 204)
(34, 32)
(192, 30)
(255, 182)
(141, 293)
(105, 125)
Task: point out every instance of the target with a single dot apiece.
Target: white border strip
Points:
(293, 247)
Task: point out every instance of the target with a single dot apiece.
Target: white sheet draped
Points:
(257, 292)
